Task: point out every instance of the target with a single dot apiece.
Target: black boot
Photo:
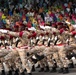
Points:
(16, 72)
(33, 68)
(24, 70)
(60, 70)
(38, 66)
(65, 70)
(22, 73)
(12, 69)
(3, 72)
(29, 73)
(55, 64)
(71, 65)
(53, 69)
(47, 69)
(41, 70)
(9, 72)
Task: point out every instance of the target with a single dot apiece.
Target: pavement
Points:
(71, 72)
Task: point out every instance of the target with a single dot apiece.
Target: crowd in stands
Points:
(24, 16)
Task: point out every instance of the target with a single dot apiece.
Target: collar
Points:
(61, 44)
(23, 47)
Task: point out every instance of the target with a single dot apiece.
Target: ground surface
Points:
(71, 72)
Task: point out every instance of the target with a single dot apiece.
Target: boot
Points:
(29, 73)
(10, 72)
(22, 73)
(38, 66)
(60, 70)
(33, 68)
(55, 64)
(12, 69)
(3, 72)
(41, 70)
(24, 70)
(53, 69)
(16, 72)
(71, 65)
(65, 70)
(47, 69)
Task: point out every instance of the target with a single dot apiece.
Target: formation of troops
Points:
(47, 48)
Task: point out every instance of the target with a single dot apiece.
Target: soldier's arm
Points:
(11, 55)
(16, 34)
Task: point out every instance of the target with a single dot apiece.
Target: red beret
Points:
(42, 34)
(2, 38)
(59, 23)
(54, 33)
(47, 33)
(29, 36)
(61, 31)
(34, 34)
(73, 33)
(11, 36)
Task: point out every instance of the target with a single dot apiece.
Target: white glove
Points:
(32, 29)
(42, 27)
(75, 36)
(43, 37)
(56, 38)
(0, 41)
(10, 47)
(48, 39)
(67, 40)
(37, 38)
(33, 57)
(17, 39)
(31, 41)
(5, 41)
(3, 31)
(47, 27)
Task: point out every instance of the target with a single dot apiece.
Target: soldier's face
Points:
(20, 44)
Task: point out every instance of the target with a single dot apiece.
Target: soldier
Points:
(48, 52)
(1, 67)
(62, 55)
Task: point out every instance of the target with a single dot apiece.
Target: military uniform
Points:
(24, 60)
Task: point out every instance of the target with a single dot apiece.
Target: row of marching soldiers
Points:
(21, 52)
